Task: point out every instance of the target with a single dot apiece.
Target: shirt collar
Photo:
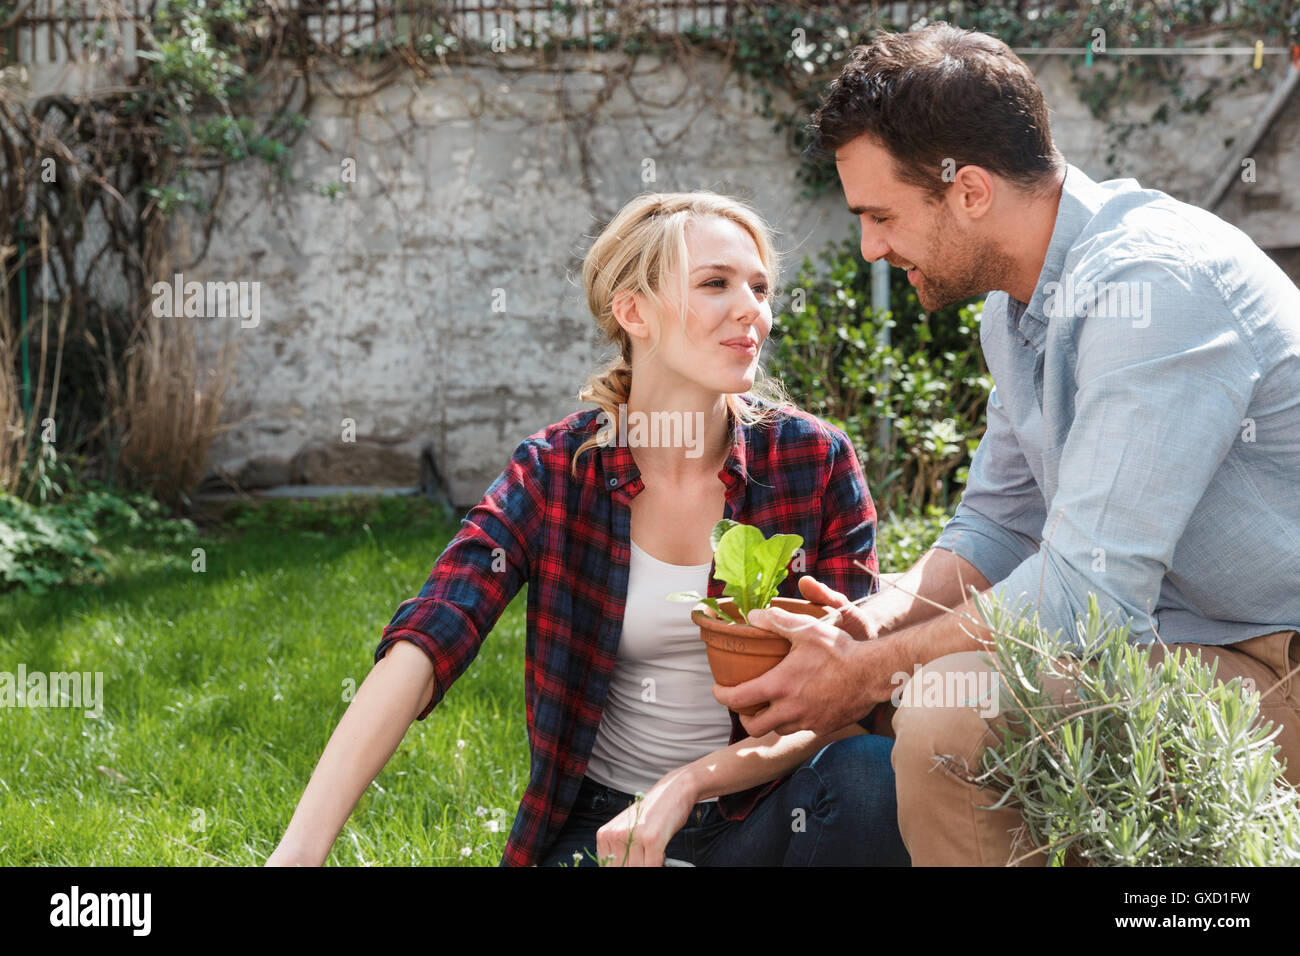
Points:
(1081, 198)
(618, 467)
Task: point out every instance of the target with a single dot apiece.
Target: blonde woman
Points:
(602, 518)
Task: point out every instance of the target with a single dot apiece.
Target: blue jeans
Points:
(837, 809)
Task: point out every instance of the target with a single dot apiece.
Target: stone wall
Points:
(435, 301)
(1185, 155)
(472, 192)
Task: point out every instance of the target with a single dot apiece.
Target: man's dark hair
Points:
(941, 93)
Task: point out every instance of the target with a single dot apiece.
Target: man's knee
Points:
(932, 725)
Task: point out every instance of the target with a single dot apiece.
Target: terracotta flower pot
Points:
(740, 652)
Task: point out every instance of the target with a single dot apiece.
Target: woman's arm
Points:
(848, 525)
(428, 644)
(638, 835)
(478, 574)
(375, 722)
(752, 761)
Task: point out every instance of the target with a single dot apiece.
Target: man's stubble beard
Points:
(979, 267)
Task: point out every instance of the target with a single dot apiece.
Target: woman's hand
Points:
(638, 835)
(283, 857)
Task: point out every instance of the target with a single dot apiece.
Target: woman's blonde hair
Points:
(640, 251)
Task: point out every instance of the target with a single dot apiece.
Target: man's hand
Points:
(638, 835)
(829, 678)
(852, 618)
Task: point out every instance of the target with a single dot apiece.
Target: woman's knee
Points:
(854, 804)
(855, 769)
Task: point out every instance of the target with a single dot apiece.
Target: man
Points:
(1143, 439)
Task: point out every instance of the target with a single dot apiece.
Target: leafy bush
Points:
(929, 384)
(901, 540)
(42, 547)
(1149, 766)
(53, 534)
(61, 542)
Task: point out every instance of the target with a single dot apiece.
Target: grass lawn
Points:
(221, 689)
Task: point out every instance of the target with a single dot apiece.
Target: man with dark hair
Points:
(1143, 439)
(923, 105)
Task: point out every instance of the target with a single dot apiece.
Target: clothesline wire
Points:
(1153, 50)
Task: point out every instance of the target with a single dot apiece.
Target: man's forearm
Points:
(898, 653)
(939, 580)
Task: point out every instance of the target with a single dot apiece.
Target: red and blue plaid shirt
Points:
(568, 539)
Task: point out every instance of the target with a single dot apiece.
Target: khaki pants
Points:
(939, 812)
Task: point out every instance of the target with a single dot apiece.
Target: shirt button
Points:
(613, 482)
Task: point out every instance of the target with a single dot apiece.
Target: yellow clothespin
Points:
(1259, 53)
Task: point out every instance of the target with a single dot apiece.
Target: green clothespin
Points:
(1087, 60)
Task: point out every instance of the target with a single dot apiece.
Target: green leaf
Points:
(753, 567)
(722, 527)
(696, 598)
(737, 562)
(728, 610)
(774, 554)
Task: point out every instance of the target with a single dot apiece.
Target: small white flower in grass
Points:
(480, 811)
(460, 744)
(492, 826)
(465, 851)
(577, 857)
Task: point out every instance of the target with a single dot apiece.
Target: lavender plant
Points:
(1146, 765)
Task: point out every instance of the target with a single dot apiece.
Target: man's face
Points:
(947, 257)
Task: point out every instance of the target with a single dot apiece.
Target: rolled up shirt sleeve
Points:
(1160, 401)
(848, 532)
(476, 576)
(848, 525)
(997, 523)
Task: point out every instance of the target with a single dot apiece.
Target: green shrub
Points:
(902, 539)
(929, 384)
(42, 547)
(1151, 766)
(63, 541)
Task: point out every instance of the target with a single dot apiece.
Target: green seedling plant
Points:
(751, 565)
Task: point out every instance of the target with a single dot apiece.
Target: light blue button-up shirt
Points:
(1143, 436)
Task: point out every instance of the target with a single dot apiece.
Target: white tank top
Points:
(660, 713)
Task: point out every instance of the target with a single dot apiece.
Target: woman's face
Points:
(729, 311)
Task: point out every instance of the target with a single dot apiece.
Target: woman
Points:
(603, 517)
